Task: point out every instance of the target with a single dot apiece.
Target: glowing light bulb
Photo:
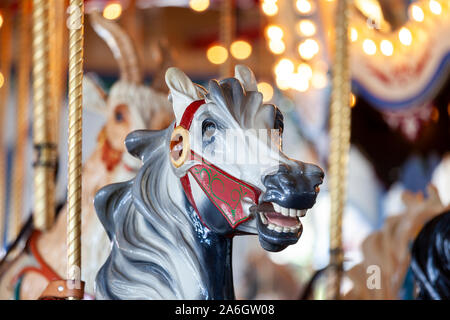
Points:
(241, 49)
(199, 5)
(386, 48)
(1, 20)
(298, 82)
(282, 83)
(2, 80)
(306, 28)
(274, 32)
(217, 54)
(405, 36)
(304, 6)
(435, 7)
(308, 49)
(352, 100)
(305, 70)
(270, 8)
(266, 90)
(112, 11)
(369, 47)
(284, 68)
(277, 46)
(417, 13)
(353, 34)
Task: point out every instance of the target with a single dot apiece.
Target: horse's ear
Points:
(246, 77)
(182, 90)
(94, 98)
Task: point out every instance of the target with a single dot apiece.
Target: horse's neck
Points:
(218, 266)
(215, 251)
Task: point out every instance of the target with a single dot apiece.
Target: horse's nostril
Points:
(317, 171)
(322, 174)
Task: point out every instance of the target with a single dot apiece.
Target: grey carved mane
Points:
(153, 240)
(159, 246)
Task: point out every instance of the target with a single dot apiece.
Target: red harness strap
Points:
(52, 292)
(224, 190)
(44, 269)
(188, 115)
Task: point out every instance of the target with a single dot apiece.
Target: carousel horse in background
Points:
(389, 248)
(172, 226)
(430, 261)
(266, 280)
(130, 105)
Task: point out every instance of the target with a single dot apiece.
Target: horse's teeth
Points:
(276, 207)
(288, 212)
(263, 218)
(292, 212)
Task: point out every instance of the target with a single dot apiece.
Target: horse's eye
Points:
(119, 116)
(208, 128)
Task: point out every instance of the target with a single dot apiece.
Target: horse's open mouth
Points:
(278, 227)
(280, 219)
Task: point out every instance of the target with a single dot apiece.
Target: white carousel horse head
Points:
(172, 225)
(130, 105)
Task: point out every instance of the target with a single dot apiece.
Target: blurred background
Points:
(399, 61)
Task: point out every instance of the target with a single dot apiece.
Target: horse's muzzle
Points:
(289, 193)
(294, 185)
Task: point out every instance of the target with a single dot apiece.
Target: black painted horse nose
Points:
(294, 185)
(315, 173)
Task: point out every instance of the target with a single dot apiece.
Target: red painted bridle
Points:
(225, 191)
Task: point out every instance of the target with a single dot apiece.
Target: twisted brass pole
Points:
(76, 27)
(339, 145)
(23, 88)
(5, 68)
(45, 161)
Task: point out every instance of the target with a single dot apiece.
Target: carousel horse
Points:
(130, 105)
(430, 259)
(266, 280)
(172, 226)
(388, 248)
